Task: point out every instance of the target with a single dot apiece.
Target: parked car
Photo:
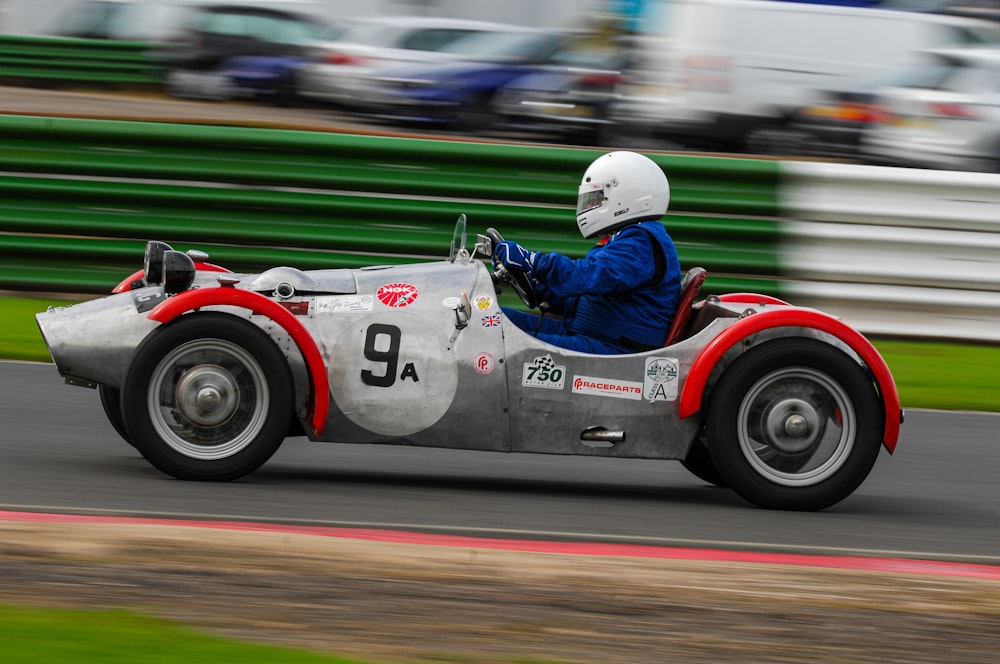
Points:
(951, 122)
(200, 58)
(336, 70)
(568, 97)
(206, 372)
(729, 68)
(834, 123)
(464, 94)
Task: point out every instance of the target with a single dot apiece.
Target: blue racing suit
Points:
(620, 298)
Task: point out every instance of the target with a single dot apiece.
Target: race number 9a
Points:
(382, 345)
(392, 373)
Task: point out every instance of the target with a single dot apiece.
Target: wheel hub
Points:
(207, 395)
(792, 425)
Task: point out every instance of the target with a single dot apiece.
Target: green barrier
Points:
(272, 157)
(315, 199)
(95, 61)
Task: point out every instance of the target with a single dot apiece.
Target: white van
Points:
(726, 69)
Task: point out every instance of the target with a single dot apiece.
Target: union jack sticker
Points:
(491, 321)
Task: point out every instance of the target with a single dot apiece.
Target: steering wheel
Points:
(519, 281)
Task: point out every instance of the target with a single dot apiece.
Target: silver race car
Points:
(206, 372)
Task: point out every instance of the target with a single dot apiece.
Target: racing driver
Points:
(620, 297)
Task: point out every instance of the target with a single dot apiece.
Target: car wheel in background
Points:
(475, 115)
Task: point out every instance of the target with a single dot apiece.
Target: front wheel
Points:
(207, 397)
(111, 401)
(794, 424)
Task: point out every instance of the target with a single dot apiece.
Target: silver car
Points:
(339, 70)
(950, 121)
(205, 372)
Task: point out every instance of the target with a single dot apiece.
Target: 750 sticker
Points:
(545, 373)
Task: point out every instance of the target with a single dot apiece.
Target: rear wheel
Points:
(699, 463)
(208, 397)
(794, 424)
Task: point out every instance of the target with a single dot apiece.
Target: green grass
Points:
(55, 636)
(942, 375)
(928, 375)
(19, 335)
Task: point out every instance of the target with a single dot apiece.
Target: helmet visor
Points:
(589, 200)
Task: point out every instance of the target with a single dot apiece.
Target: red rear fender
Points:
(694, 386)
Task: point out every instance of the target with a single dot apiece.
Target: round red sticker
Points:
(397, 295)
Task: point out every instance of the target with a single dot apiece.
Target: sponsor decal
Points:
(483, 363)
(483, 302)
(607, 387)
(491, 321)
(297, 308)
(659, 381)
(451, 302)
(397, 295)
(350, 304)
(545, 373)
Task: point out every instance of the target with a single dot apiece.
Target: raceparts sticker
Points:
(397, 295)
(607, 387)
(659, 382)
(545, 373)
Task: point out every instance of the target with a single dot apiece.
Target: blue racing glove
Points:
(515, 257)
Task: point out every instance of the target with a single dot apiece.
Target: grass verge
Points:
(57, 636)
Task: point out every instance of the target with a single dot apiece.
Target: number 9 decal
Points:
(377, 333)
(393, 373)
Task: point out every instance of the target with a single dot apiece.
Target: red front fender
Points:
(694, 387)
(181, 303)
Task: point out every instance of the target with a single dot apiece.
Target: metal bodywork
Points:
(423, 355)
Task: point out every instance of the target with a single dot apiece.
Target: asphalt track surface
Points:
(937, 498)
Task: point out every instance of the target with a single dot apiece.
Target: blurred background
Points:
(838, 154)
(896, 82)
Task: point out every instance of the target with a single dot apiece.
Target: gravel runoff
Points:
(402, 602)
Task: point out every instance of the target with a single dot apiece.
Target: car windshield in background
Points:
(953, 71)
(265, 27)
(504, 46)
(403, 36)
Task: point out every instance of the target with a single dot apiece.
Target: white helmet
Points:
(620, 188)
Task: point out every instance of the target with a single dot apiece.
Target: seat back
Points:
(693, 280)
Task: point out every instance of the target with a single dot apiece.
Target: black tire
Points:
(286, 94)
(207, 397)
(699, 463)
(476, 115)
(111, 401)
(794, 424)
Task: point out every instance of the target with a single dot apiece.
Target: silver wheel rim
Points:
(208, 399)
(796, 426)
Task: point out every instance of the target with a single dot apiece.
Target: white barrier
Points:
(894, 251)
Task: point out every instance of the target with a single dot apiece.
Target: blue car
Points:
(461, 94)
(263, 77)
